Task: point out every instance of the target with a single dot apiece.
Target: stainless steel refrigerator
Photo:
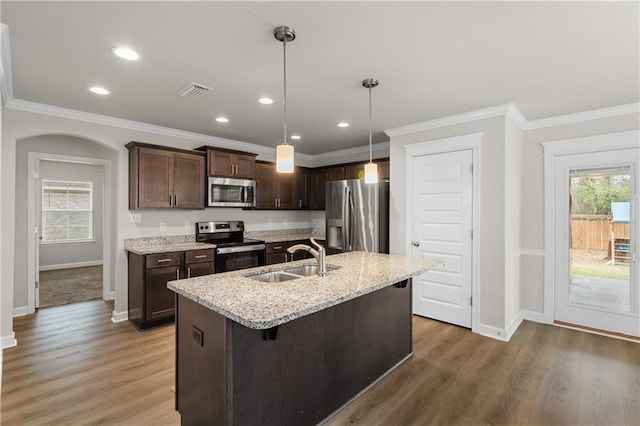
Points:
(357, 216)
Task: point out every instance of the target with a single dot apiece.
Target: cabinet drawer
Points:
(198, 256)
(164, 259)
(277, 247)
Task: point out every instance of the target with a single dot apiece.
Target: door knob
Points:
(416, 243)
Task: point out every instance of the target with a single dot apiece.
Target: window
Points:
(67, 210)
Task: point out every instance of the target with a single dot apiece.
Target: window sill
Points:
(67, 243)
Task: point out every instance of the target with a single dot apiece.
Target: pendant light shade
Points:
(284, 151)
(284, 158)
(371, 168)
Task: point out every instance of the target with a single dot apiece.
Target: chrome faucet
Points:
(320, 255)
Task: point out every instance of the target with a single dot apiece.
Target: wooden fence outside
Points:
(593, 232)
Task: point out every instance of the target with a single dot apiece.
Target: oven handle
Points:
(240, 249)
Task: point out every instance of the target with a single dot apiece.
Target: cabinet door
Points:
(155, 178)
(354, 171)
(188, 181)
(159, 300)
(383, 169)
(220, 163)
(265, 186)
(245, 166)
(285, 183)
(336, 173)
(318, 186)
(300, 188)
(199, 269)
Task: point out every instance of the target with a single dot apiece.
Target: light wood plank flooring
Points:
(73, 366)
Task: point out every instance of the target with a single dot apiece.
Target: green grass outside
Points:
(618, 272)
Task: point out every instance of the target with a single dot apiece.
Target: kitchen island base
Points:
(297, 373)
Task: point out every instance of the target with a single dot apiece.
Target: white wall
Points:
(532, 236)
(492, 213)
(57, 256)
(514, 139)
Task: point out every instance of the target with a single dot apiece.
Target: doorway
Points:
(68, 205)
(592, 236)
(442, 200)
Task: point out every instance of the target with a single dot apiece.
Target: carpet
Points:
(73, 285)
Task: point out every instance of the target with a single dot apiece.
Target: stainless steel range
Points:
(232, 250)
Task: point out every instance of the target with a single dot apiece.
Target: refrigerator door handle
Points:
(346, 234)
(351, 218)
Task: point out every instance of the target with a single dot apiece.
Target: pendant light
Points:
(284, 151)
(371, 168)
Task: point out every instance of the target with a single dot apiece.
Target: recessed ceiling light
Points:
(296, 137)
(125, 53)
(99, 90)
(222, 119)
(343, 124)
(265, 101)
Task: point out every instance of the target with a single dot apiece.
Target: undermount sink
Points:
(274, 277)
(307, 270)
(289, 273)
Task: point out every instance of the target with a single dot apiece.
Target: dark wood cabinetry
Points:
(150, 301)
(161, 177)
(230, 163)
(278, 190)
(277, 252)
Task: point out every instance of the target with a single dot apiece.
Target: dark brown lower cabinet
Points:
(150, 302)
(277, 252)
(296, 374)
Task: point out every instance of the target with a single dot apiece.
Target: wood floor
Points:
(73, 366)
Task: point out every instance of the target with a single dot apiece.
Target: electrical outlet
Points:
(198, 336)
(187, 226)
(135, 218)
(163, 227)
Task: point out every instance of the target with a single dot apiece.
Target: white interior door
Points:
(442, 220)
(599, 292)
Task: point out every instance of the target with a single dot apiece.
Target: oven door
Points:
(239, 257)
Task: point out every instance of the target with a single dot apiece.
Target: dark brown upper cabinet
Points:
(230, 163)
(356, 171)
(162, 177)
(280, 190)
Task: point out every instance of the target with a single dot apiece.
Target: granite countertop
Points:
(166, 247)
(260, 305)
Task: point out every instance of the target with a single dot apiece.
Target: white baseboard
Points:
(493, 332)
(119, 316)
(513, 325)
(9, 341)
(533, 316)
(20, 311)
(71, 265)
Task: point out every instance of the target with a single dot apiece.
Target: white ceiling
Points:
(432, 59)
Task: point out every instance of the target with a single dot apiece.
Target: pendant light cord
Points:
(370, 127)
(284, 98)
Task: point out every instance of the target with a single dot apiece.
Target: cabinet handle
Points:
(175, 200)
(163, 260)
(188, 272)
(178, 274)
(300, 203)
(170, 200)
(200, 256)
(277, 248)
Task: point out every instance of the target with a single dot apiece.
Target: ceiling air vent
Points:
(192, 90)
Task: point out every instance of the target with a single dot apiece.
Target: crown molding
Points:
(511, 111)
(466, 117)
(579, 117)
(6, 80)
(380, 146)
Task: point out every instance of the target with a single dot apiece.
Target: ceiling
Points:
(432, 59)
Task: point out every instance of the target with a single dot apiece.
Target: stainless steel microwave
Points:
(225, 192)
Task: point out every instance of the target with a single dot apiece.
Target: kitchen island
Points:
(292, 352)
